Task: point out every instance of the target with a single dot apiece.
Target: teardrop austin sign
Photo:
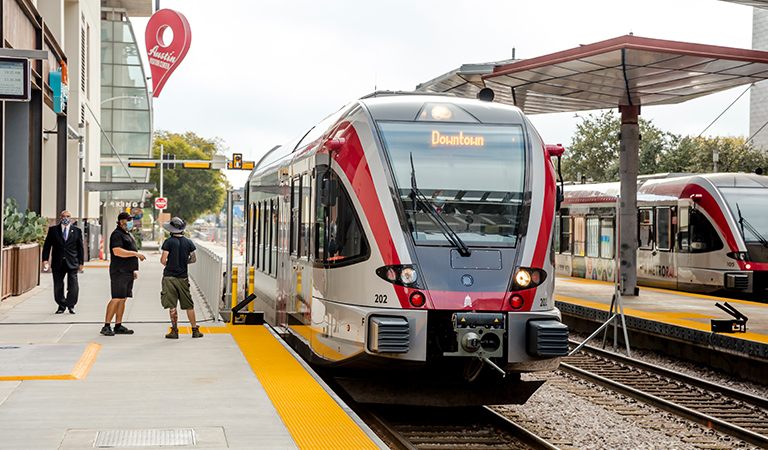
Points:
(165, 57)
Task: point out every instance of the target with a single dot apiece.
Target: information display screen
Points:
(14, 79)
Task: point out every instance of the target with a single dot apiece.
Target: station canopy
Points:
(626, 70)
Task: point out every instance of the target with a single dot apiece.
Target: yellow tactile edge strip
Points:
(313, 418)
(80, 371)
(204, 330)
(670, 318)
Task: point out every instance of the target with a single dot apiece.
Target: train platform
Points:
(65, 386)
(672, 322)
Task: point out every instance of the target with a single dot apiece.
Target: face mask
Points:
(129, 225)
(66, 220)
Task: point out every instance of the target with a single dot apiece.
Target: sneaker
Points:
(60, 310)
(72, 310)
(174, 334)
(196, 332)
(106, 330)
(120, 329)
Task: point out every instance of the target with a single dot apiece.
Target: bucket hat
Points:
(176, 225)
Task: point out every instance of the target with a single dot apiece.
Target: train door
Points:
(304, 275)
(682, 245)
(579, 247)
(281, 252)
(645, 250)
(663, 270)
(299, 273)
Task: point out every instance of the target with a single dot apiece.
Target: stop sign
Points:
(161, 203)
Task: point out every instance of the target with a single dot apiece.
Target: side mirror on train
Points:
(557, 150)
(334, 144)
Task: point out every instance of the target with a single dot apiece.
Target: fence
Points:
(208, 274)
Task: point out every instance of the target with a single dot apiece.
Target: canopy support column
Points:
(629, 147)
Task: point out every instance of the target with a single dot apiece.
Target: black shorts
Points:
(122, 284)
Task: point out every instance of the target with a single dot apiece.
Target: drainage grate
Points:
(145, 438)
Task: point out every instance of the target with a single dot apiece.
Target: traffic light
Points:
(171, 165)
(237, 160)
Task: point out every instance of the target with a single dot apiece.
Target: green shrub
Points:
(21, 228)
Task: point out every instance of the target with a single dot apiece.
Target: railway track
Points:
(728, 411)
(478, 428)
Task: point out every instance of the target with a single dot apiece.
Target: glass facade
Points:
(125, 110)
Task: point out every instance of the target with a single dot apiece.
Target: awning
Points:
(627, 70)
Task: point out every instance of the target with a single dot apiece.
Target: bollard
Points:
(250, 286)
(234, 289)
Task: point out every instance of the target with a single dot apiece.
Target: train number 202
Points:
(380, 298)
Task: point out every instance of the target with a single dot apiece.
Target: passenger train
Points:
(701, 233)
(410, 232)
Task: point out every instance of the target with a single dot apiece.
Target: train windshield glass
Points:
(751, 203)
(472, 175)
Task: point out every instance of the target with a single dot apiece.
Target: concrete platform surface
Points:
(139, 390)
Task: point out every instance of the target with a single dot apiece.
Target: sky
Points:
(260, 73)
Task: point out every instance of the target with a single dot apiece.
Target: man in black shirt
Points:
(123, 269)
(178, 252)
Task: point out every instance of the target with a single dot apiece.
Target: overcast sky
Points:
(259, 73)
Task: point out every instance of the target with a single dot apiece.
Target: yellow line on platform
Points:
(80, 371)
(313, 418)
(204, 330)
(670, 318)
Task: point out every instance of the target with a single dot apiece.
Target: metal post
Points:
(251, 287)
(228, 244)
(81, 184)
(159, 214)
(715, 159)
(628, 168)
(234, 287)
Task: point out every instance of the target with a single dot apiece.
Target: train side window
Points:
(273, 235)
(557, 233)
(579, 236)
(703, 236)
(683, 237)
(607, 247)
(295, 211)
(306, 216)
(339, 236)
(253, 235)
(593, 237)
(566, 238)
(663, 229)
(645, 237)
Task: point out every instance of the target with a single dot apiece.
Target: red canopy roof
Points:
(627, 70)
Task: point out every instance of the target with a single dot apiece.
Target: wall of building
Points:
(16, 167)
(758, 95)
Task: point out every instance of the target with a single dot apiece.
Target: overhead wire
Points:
(726, 109)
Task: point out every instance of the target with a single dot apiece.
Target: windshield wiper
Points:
(745, 224)
(446, 229)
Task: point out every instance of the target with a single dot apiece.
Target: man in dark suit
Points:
(66, 241)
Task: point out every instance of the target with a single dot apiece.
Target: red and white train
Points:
(410, 232)
(700, 233)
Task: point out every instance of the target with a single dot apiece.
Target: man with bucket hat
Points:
(178, 252)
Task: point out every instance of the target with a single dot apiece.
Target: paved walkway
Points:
(142, 384)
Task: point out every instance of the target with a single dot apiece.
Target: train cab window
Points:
(703, 236)
(306, 216)
(566, 236)
(607, 246)
(295, 214)
(663, 229)
(579, 236)
(645, 239)
(593, 237)
(339, 237)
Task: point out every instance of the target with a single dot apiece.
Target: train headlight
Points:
(523, 278)
(408, 276)
(401, 275)
(527, 278)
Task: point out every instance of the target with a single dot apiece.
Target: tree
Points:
(190, 192)
(594, 149)
(694, 154)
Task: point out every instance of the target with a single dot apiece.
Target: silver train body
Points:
(701, 233)
(354, 231)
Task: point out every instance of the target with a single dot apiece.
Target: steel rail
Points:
(677, 376)
(519, 432)
(682, 411)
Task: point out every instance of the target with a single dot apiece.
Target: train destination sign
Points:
(14, 79)
(457, 139)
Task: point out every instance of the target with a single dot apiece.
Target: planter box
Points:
(21, 269)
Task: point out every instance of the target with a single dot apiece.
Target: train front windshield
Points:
(472, 175)
(749, 204)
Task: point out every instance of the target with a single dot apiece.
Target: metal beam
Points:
(118, 186)
(23, 53)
